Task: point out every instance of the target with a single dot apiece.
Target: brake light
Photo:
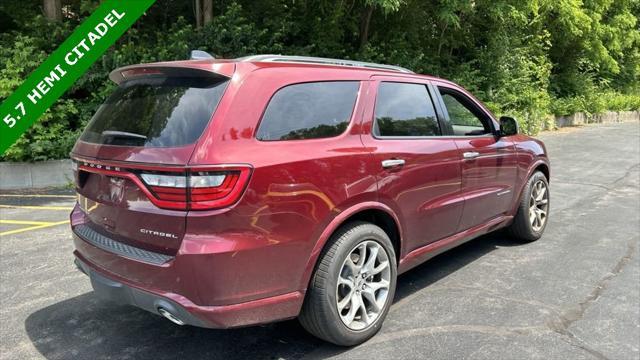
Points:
(201, 188)
(128, 74)
(197, 189)
(209, 190)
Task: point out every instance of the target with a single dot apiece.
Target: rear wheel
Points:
(352, 287)
(533, 210)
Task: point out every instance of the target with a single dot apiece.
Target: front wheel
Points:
(352, 287)
(533, 211)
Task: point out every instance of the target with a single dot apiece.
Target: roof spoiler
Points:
(177, 69)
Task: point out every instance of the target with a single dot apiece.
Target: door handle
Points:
(392, 163)
(469, 155)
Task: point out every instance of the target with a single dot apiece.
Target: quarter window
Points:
(309, 111)
(404, 109)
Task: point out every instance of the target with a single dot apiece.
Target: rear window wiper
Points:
(123, 134)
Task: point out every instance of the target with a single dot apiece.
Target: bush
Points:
(54, 134)
(595, 103)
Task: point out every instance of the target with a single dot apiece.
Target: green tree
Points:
(528, 58)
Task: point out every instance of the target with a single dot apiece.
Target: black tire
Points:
(319, 313)
(521, 228)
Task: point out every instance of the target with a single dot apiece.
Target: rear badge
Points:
(158, 233)
(116, 190)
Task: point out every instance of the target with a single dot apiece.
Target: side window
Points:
(404, 109)
(462, 119)
(309, 111)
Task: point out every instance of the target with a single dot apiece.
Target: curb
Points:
(35, 175)
(581, 118)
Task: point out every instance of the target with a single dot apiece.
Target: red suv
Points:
(225, 193)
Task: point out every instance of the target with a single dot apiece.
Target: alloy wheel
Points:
(363, 285)
(538, 205)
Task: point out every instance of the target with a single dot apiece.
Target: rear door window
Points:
(156, 112)
(309, 111)
(404, 110)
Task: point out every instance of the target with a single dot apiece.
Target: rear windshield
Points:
(156, 112)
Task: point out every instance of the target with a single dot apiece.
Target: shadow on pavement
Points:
(86, 327)
(448, 262)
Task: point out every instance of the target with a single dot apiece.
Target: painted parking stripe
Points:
(35, 227)
(22, 222)
(38, 196)
(34, 207)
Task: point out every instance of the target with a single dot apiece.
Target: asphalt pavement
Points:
(574, 294)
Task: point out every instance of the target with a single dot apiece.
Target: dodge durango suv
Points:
(225, 193)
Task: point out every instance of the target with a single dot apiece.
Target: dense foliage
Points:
(528, 58)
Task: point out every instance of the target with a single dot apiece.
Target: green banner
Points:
(65, 65)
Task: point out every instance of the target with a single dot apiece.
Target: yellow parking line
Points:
(36, 227)
(38, 195)
(21, 222)
(33, 207)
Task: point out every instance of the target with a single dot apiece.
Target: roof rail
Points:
(322, 61)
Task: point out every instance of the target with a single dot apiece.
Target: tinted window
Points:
(462, 119)
(309, 111)
(405, 110)
(156, 112)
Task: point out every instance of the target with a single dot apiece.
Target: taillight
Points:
(170, 188)
(213, 189)
(198, 188)
(171, 181)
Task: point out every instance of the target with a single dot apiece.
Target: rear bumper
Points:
(260, 311)
(219, 281)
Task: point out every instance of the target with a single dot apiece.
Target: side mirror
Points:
(508, 126)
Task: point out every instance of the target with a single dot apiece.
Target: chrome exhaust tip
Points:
(164, 312)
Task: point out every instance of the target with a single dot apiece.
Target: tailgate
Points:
(119, 208)
(130, 160)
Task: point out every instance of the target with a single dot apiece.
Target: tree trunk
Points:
(207, 11)
(441, 40)
(364, 25)
(53, 9)
(198, 13)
